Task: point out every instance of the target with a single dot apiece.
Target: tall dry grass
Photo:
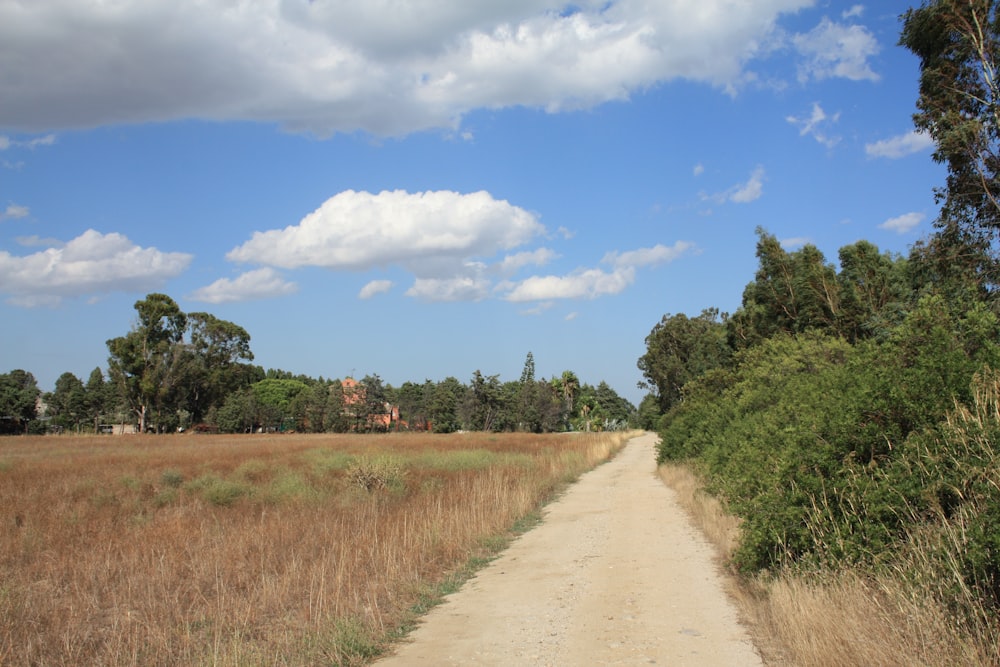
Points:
(842, 618)
(251, 550)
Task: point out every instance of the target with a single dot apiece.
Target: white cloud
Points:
(592, 283)
(460, 288)
(384, 66)
(14, 212)
(903, 223)
(699, 169)
(658, 254)
(538, 308)
(512, 263)
(741, 193)
(854, 12)
(374, 287)
(900, 146)
(264, 283)
(92, 263)
(583, 284)
(428, 233)
(814, 125)
(751, 190)
(836, 50)
(6, 143)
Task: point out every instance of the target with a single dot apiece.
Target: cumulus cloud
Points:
(374, 287)
(264, 283)
(900, 146)
(384, 66)
(583, 284)
(815, 125)
(91, 264)
(836, 50)
(903, 223)
(427, 233)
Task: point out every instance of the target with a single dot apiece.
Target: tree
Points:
(958, 44)
(273, 402)
(212, 363)
(445, 400)
(99, 398)
(484, 402)
(18, 401)
(414, 402)
(67, 404)
(529, 417)
(873, 289)
(791, 292)
(141, 363)
(373, 408)
(679, 349)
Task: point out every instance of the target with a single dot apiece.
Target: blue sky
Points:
(421, 189)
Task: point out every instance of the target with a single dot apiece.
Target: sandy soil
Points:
(615, 575)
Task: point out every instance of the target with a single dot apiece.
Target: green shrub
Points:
(171, 478)
(373, 474)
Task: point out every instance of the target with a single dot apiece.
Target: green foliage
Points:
(219, 491)
(679, 349)
(798, 434)
(958, 44)
(18, 397)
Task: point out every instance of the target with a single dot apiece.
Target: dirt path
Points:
(615, 575)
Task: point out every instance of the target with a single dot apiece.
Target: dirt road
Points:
(615, 575)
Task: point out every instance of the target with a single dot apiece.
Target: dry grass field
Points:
(253, 550)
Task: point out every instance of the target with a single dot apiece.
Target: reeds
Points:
(252, 550)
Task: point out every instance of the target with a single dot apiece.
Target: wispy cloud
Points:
(741, 193)
(900, 146)
(903, 223)
(816, 125)
(13, 212)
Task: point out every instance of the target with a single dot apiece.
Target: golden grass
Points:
(251, 550)
(834, 619)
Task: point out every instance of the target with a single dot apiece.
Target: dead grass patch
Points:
(251, 550)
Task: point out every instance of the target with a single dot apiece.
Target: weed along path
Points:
(614, 575)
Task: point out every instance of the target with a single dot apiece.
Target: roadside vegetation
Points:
(262, 550)
(849, 415)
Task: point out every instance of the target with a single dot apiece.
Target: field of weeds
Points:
(254, 550)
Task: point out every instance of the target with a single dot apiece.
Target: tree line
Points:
(177, 371)
(849, 412)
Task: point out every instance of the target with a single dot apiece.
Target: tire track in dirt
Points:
(614, 575)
